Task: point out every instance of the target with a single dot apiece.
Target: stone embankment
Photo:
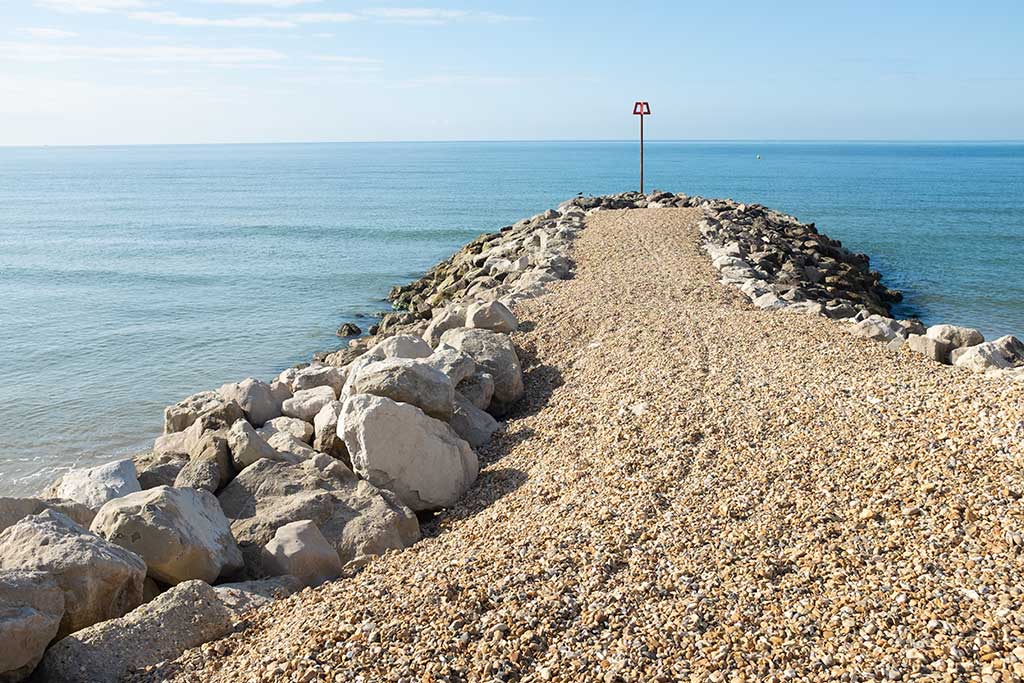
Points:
(259, 489)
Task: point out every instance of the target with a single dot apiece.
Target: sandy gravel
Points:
(697, 490)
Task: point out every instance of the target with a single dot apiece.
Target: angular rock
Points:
(247, 446)
(300, 429)
(299, 549)
(209, 467)
(396, 446)
(326, 439)
(284, 442)
(182, 534)
(401, 346)
(448, 318)
(452, 362)
(471, 423)
(100, 580)
(878, 328)
(305, 404)
(319, 376)
(492, 315)
(256, 399)
(31, 607)
(355, 517)
(956, 337)
(158, 469)
(13, 510)
(182, 414)
(478, 389)
(183, 617)
(94, 486)
(171, 444)
(495, 354)
(930, 347)
(1002, 354)
(242, 596)
(408, 381)
(349, 330)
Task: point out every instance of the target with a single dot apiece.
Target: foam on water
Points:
(131, 277)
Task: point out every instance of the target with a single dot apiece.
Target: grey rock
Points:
(474, 425)
(495, 354)
(181, 415)
(256, 398)
(31, 607)
(478, 389)
(299, 549)
(13, 510)
(306, 403)
(158, 469)
(408, 381)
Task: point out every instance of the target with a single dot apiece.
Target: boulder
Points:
(182, 414)
(326, 439)
(100, 580)
(282, 391)
(491, 315)
(495, 354)
(448, 318)
(452, 362)
(956, 337)
(209, 467)
(94, 486)
(158, 469)
(319, 376)
(930, 347)
(1001, 354)
(181, 618)
(31, 607)
(284, 442)
(473, 424)
(478, 389)
(171, 444)
(356, 518)
(299, 549)
(13, 510)
(401, 346)
(396, 446)
(242, 596)
(182, 534)
(256, 399)
(408, 381)
(247, 446)
(349, 330)
(878, 328)
(300, 429)
(305, 404)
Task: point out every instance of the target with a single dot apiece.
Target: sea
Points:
(131, 277)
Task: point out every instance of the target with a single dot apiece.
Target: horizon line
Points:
(1013, 141)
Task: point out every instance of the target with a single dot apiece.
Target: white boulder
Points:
(256, 399)
(408, 381)
(491, 315)
(182, 534)
(300, 429)
(299, 549)
(396, 446)
(94, 486)
(956, 336)
(1002, 354)
(305, 404)
(494, 353)
(319, 376)
(247, 446)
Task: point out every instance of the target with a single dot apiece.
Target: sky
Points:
(81, 72)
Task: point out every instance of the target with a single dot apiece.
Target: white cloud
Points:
(434, 15)
(344, 59)
(263, 3)
(47, 33)
(175, 19)
(89, 6)
(187, 54)
(323, 17)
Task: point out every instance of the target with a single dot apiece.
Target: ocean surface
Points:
(131, 277)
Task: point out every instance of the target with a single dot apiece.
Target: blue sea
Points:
(133, 276)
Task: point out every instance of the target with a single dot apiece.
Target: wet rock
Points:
(349, 330)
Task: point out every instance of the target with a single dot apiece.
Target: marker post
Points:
(641, 109)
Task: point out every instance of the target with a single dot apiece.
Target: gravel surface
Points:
(694, 490)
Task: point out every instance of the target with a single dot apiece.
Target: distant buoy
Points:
(758, 157)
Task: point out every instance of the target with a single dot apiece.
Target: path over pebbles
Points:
(701, 488)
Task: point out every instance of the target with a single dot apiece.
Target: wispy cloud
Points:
(167, 18)
(263, 3)
(346, 59)
(460, 79)
(47, 33)
(89, 6)
(187, 54)
(434, 15)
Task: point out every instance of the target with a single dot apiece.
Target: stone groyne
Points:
(259, 489)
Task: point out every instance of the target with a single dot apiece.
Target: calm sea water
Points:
(131, 277)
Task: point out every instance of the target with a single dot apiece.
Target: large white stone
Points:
(452, 362)
(878, 328)
(1000, 354)
(491, 315)
(444, 319)
(247, 446)
(956, 336)
(94, 486)
(13, 510)
(397, 446)
(300, 429)
(100, 580)
(182, 534)
(474, 425)
(401, 346)
(184, 617)
(319, 376)
(305, 404)
(408, 381)
(495, 354)
(325, 425)
(355, 517)
(31, 607)
(299, 549)
(182, 414)
(256, 399)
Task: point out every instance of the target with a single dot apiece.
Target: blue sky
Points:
(180, 71)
